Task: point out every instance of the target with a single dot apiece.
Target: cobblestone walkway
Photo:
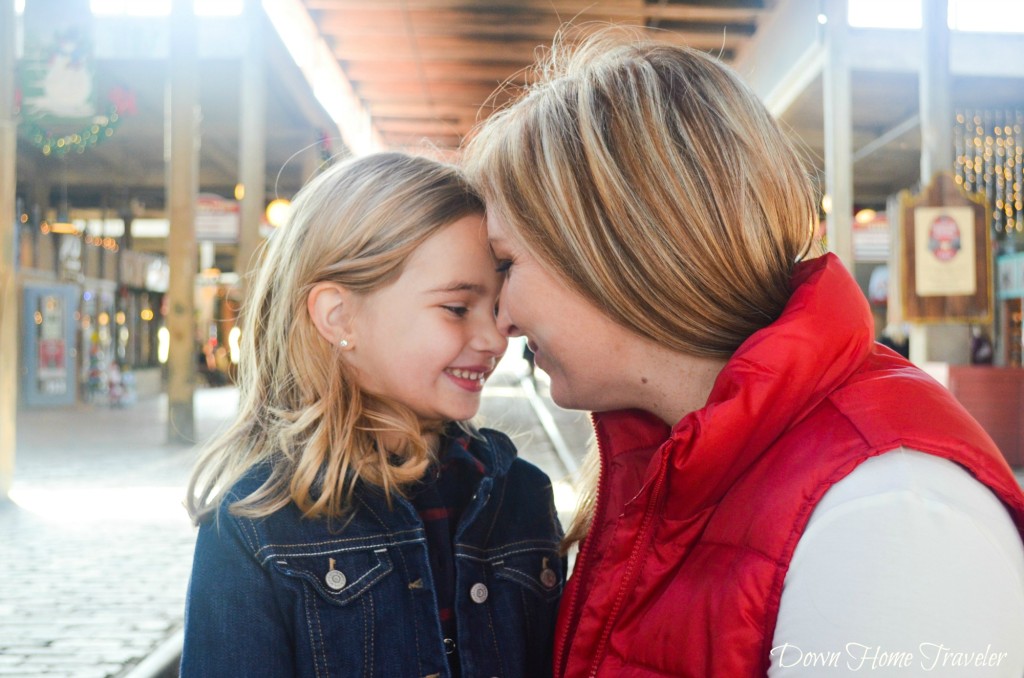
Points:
(96, 548)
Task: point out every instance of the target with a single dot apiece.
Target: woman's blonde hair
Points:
(652, 181)
(301, 410)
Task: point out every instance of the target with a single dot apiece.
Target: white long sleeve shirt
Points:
(907, 567)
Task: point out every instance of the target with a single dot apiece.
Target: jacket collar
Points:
(776, 377)
(492, 448)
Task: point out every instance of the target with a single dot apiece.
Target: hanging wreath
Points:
(120, 102)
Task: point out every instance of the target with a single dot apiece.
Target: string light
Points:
(87, 133)
(58, 145)
(989, 150)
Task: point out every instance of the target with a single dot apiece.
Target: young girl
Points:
(351, 522)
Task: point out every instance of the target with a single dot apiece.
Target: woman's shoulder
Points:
(911, 499)
(904, 474)
(902, 551)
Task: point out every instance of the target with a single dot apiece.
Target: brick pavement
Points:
(95, 547)
(96, 544)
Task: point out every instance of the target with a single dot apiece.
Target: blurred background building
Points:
(149, 146)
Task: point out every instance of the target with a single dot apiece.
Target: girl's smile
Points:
(469, 378)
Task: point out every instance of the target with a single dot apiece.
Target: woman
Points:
(778, 494)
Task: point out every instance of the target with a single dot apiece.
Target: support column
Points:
(183, 185)
(8, 280)
(935, 100)
(838, 132)
(950, 342)
(252, 152)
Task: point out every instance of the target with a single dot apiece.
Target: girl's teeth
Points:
(466, 374)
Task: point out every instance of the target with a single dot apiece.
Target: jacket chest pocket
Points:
(341, 577)
(538, 571)
(336, 600)
(509, 603)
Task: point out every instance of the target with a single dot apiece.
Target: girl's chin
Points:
(464, 413)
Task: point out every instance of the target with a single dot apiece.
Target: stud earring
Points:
(343, 343)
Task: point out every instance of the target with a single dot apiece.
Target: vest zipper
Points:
(631, 565)
(583, 560)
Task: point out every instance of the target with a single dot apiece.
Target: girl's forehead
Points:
(461, 245)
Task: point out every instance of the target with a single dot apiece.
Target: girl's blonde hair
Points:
(301, 410)
(652, 181)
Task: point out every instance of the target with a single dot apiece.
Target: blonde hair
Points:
(301, 410)
(651, 180)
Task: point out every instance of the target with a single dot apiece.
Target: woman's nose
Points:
(501, 315)
(490, 339)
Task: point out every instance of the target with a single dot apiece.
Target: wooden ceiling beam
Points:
(390, 71)
(434, 48)
(396, 22)
(542, 30)
(440, 110)
(407, 71)
(424, 126)
(412, 141)
(477, 51)
(447, 92)
(576, 11)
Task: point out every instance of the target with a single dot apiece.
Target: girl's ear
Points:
(330, 307)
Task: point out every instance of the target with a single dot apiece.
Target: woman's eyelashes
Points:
(503, 265)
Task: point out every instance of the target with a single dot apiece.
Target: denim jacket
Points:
(287, 596)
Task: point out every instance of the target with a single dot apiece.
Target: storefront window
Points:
(137, 337)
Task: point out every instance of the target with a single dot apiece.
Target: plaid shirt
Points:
(440, 498)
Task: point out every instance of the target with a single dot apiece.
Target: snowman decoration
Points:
(67, 90)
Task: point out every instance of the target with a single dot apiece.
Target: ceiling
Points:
(427, 69)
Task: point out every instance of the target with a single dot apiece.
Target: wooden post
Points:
(938, 341)
(252, 152)
(934, 93)
(838, 133)
(183, 180)
(8, 280)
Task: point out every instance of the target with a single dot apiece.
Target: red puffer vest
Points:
(695, 527)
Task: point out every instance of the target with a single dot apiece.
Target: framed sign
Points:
(947, 275)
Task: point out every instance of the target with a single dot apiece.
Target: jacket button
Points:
(335, 580)
(478, 593)
(548, 578)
